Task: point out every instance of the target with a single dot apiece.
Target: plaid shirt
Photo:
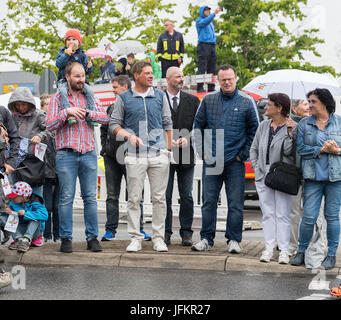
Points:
(79, 136)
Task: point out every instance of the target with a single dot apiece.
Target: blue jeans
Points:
(114, 172)
(312, 193)
(51, 197)
(233, 176)
(185, 186)
(69, 165)
(27, 229)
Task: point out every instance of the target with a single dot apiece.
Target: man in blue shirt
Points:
(206, 50)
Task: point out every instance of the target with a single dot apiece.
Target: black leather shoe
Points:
(66, 246)
(94, 245)
(167, 239)
(187, 241)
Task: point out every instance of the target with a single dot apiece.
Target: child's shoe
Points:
(71, 120)
(91, 123)
(13, 245)
(37, 242)
(23, 245)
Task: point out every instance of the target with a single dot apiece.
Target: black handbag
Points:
(283, 176)
(32, 171)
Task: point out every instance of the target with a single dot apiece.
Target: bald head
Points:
(175, 79)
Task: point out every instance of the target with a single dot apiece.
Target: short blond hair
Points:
(44, 97)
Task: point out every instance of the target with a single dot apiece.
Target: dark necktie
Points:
(175, 104)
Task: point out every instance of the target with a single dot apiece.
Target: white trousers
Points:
(157, 169)
(276, 207)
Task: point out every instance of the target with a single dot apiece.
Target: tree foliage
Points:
(37, 27)
(255, 47)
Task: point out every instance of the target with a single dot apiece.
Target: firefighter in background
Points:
(170, 48)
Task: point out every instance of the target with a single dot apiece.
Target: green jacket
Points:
(156, 67)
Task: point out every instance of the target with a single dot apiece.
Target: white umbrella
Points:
(295, 83)
(129, 46)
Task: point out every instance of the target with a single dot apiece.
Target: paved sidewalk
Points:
(178, 257)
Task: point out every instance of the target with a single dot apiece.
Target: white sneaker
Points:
(134, 246)
(202, 245)
(234, 247)
(5, 279)
(160, 246)
(266, 255)
(284, 257)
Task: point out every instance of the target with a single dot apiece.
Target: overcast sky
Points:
(324, 15)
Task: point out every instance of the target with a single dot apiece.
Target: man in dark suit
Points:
(183, 108)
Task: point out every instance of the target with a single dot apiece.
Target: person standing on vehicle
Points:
(206, 49)
(170, 48)
(142, 117)
(183, 107)
(224, 128)
(76, 157)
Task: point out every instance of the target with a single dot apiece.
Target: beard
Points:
(76, 85)
(179, 85)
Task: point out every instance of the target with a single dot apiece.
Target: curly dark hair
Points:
(281, 100)
(325, 97)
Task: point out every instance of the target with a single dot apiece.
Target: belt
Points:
(68, 150)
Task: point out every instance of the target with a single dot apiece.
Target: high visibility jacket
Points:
(170, 47)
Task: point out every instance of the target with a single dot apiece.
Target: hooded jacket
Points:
(32, 123)
(7, 120)
(34, 210)
(205, 27)
(123, 61)
(156, 67)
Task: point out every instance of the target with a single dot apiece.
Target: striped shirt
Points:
(80, 136)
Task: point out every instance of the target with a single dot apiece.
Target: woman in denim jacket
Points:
(318, 143)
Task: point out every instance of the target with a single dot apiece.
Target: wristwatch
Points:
(338, 153)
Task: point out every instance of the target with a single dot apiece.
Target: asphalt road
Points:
(104, 283)
(132, 285)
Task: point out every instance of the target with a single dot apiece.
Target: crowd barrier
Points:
(197, 190)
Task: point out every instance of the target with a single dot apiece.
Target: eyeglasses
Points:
(226, 80)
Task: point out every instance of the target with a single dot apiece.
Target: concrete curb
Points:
(178, 257)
